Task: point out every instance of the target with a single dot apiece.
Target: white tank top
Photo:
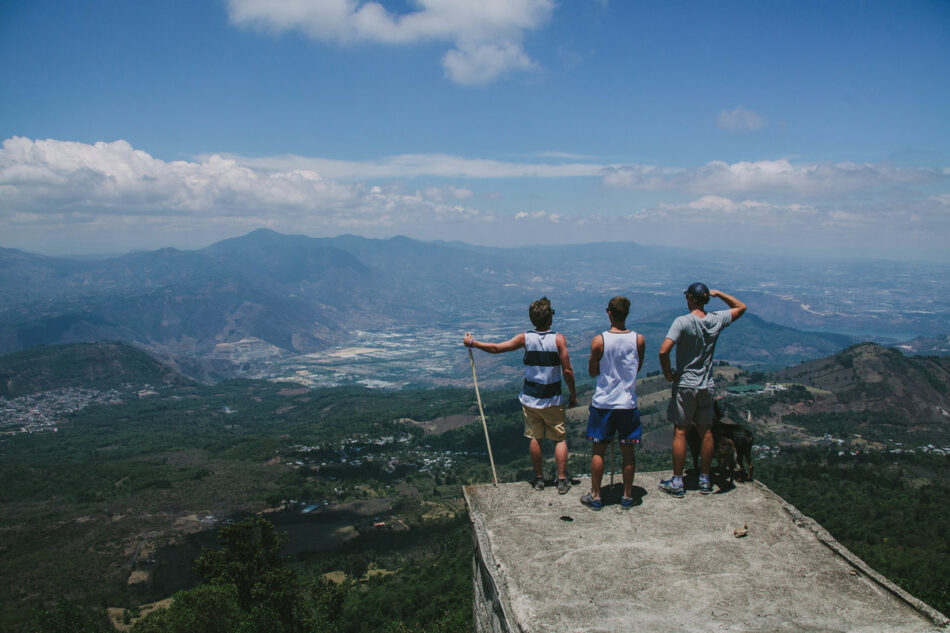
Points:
(617, 380)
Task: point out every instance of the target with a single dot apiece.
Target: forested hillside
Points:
(874, 391)
(99, 365)
(114, 509)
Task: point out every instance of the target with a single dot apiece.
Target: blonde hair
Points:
(541, 313)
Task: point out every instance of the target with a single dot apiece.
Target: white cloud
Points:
(769, 176)
(52, 175)
(480, 64)
(718, 209)
(68, 182)
(486, 35)
(417, 165)
(538, 215)
(111, 194)
(740, 120)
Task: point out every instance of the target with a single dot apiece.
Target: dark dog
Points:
(732, 441)
(741, 439)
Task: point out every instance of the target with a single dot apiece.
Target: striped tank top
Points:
(542, 371)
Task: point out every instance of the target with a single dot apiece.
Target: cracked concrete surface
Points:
(544, 562)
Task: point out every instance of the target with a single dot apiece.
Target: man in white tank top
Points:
(546, 361)
(615, 359)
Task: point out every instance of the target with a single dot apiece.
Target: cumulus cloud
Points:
(740, 120)
(486, 36)
(52, 174)
(81, 183)
(117, 194)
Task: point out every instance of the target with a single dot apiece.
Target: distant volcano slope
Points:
(874, 391)
(100, 365)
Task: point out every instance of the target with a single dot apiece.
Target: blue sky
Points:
(816, 128)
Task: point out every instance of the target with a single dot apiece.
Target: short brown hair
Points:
(541, 313)
(619, 307)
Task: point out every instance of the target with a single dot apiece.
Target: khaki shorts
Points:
(544, 423)
(690, 406)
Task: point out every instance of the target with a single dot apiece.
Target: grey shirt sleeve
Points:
(725, 318)
(675, 330)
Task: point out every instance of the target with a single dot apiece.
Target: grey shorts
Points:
(690, 406)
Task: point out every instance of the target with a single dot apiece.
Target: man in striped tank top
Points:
(615, 359)
(546, 361)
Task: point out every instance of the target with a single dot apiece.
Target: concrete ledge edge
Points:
(936, 617)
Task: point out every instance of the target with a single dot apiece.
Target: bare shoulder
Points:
(597, 342)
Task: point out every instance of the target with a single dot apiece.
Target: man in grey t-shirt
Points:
(691, 402)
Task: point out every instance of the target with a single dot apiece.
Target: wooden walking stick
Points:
(482, 413)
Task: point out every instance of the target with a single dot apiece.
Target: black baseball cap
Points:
(698, 291)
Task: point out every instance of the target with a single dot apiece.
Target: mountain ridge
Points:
(100, 365)
(304, 294)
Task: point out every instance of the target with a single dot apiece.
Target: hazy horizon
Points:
(777, 128)
(710, 250)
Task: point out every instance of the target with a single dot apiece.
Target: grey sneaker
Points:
(589, 501)
(539, 483)
(563, 485)
(705, 486)
(666, 485)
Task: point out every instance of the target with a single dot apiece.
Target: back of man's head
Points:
(541, 313)
(699, 293)
(619, 308)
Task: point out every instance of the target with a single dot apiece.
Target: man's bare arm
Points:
(665, 348)
(495, 348)
(641, 349)
(596, 352)
(736, 307)
(567, 371)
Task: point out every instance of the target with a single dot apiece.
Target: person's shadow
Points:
(611, 495)
(720, 482)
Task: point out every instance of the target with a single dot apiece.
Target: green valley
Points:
(112, 510)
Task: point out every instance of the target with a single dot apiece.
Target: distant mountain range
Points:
(305, 294)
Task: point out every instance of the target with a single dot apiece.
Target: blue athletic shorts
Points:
(603, 423)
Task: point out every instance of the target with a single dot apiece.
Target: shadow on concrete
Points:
(720, 482)
(610, 495)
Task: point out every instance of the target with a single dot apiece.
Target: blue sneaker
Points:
(705, 486)
(626, 502)
(590, 502)
(667, 486)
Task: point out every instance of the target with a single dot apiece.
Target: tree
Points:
(251, 551)
(207, 609)
(250, 561)
(68, 617)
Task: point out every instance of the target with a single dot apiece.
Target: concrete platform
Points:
(545, 563)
